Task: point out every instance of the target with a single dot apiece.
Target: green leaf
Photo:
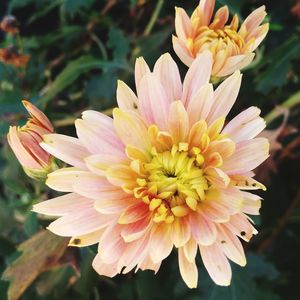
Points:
(31, 224)
(279, 64)
(72, 71)
(39, 254)
(119, 43)
(74, 6)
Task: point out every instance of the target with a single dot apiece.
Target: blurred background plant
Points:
(66, 56)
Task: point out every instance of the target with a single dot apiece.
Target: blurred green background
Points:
(77, 50)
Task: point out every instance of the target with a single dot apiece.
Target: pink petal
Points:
(224, 97)
(136, 230)
(198, 75)
(248, 155)
(63, 179)
(215, 211)
(148, 264)
(63, 205)
(93, 187)
(134, 213)
(131, 129)
(126, 98)
(178, 122)
(240, 226)
(216, 264)
(141, 69)
(80, 223)
(182, 52)
(86, 239)
(66, 148)
(22, 154)
(38, 116)
(109, 270)
(168, 74)
(236, 62)
(203, 230)
(188, 270)
(98, 163)
(217, 177)
(221, 15)
(255, 19)
(113, 202)
(161, 244)
(207, 8)
(246, 125)
(183, 24)
(231, 246)
(111, 244)
(98, 140)
(190, 250)
(154, 103)
(180, 232)
(200, 104)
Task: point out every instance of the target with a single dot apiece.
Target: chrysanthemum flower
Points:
(25, 143)
(232, 47)
(164, 172)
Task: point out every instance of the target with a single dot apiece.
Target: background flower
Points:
(232, 47)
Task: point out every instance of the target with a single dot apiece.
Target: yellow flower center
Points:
(173, 182)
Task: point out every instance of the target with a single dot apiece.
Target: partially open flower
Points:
(232, 47)
(25, 143)
(9, 25)
(164, 172)
(10, 56)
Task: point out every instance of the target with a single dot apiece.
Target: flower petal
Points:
(109, 270)
(200, 104)
(224, 97)
(66, 148)
(188, 270)
(203, 230)
(80, 223)
(183, 24)
(236, 62)
(216, 264)
(198, 75)
(178, 122)
(153, 101)
(231, 246)
(181, 51)
(246, 125)
(126, 98)
(248, 155)
(63, 205)
(161, 244)
(180, 232)
(168, 74)
(131, 129)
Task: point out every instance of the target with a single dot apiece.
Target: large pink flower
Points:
(232, 47)
(163, 172)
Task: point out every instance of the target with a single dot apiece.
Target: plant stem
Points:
(292, 101)
(154, 17)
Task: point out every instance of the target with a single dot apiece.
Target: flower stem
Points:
(154, 17)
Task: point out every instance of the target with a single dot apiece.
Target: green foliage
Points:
(78, 49)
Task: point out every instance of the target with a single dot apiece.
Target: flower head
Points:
(9, 24)
(25, 143)
(10, 56)
(164, 172)
(232, 47)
